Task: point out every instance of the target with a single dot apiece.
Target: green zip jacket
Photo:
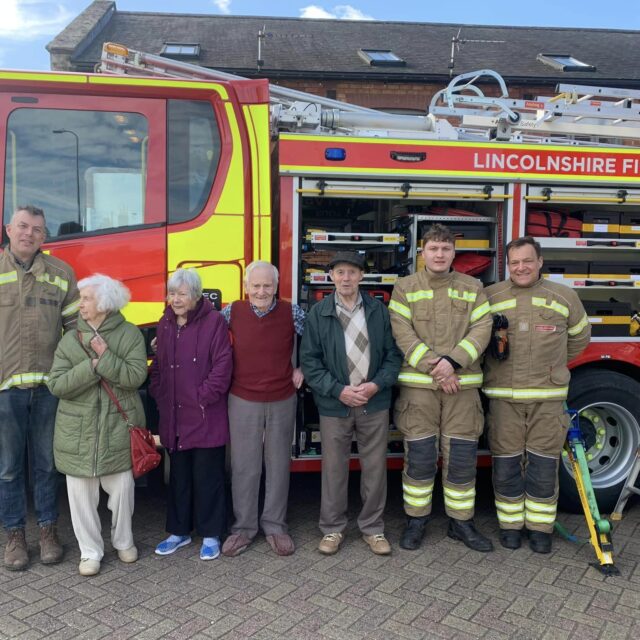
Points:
(323, 356)
(91, 438)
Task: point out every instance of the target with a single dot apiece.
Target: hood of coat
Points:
(203, 307)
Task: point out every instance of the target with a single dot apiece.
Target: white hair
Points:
(111, 295)
(188, 278)
(257, 264)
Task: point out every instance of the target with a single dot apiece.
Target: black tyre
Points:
(609, 407)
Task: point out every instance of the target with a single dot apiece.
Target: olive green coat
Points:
(91, 438)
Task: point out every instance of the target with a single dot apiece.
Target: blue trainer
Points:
(171, 544)
(210, 549)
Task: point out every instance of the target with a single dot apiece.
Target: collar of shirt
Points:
(23, 265)
(261, 314)
(341, 304)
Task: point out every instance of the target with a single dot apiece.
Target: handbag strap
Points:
(106, 386)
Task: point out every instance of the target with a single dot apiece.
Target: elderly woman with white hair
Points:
(91, 441)
(190, 377)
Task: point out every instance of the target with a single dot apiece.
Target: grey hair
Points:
(111, 295)
(188, 278)
(29, 208)
(256, 264)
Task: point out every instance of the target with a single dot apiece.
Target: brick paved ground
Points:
(442, 591)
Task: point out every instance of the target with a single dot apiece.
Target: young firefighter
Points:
(547, 327)
(442, 324)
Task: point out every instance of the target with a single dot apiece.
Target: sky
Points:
(26, 26)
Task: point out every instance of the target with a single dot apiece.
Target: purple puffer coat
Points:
(190, 378)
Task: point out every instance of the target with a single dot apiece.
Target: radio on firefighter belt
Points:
(499, 346)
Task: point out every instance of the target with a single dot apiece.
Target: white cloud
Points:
(30, 19)
(340, 11)
(223, 5)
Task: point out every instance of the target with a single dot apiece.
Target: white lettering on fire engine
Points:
(554, 163)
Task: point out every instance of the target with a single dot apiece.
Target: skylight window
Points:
(180, 50)
(381, 58)
(564, 62)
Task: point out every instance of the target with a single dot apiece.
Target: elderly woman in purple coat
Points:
(190, 378)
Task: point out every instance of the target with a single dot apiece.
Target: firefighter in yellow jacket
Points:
(546, 326)
(442, 324)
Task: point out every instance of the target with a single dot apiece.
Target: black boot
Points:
(510, 538)
(413, 533)
(540, 542)
(465, 530)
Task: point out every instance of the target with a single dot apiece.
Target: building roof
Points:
(310, 48)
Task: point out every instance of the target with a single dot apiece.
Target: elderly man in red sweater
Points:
(262, 409)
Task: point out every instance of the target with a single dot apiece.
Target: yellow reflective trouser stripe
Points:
(10, 276)
(417, 496)
(423, 294)
(501, 306)
(541, 507)
(459, 500)
(480, 312)
(541, 512)
(470, 349)
(400, 309)
(558, 393)
(70, 309)
(577, 328)
(467, 296)
(56, 281)
(554, 306)
(421, 378)
(510, 507)
(459, 505)
(417, 354)
(455, 493)
(510, 518)
(23, 378)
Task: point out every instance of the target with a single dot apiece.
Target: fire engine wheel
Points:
(609, 407)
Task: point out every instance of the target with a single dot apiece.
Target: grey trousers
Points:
(260, 430)
(372, 432)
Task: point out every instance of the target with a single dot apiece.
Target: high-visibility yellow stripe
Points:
(459, 494)
(510, 519)
(159, 82)
(232, 196)
(421, 378)
(466, 296)
(43, 77)
(540, 518)
(459, 505)
(70, 309)
(558, 393)
(505, 304)
(417, 354)
(577, 328)
(23, 378)
(417, 492)
(56, 281)
(610, 320)
(553, 306)
(422, 294)
(510, 507)
(400, 309)
(10, 276)
(480, 312)
(470, 349)
(540, 507)
(417, 502)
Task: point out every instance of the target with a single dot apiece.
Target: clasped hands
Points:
(358, 396)
(444, 375)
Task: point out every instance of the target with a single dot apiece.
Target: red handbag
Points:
(144, 455)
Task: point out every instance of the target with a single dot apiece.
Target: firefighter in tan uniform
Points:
(546, 327)
(38, 300)
(442, 324)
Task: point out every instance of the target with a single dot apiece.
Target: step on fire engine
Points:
(155, 164)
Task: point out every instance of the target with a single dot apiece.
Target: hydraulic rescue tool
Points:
(599, 527)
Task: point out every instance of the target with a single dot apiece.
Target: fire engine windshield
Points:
(86, 169)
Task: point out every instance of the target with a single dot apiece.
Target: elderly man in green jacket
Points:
(350, 361)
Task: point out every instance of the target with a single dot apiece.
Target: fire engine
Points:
(155, 164)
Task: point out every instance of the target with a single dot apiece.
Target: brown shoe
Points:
(50, 548)
(330, 543)
(281, 543)
(235, 544)
(378, 544)
(16, 554)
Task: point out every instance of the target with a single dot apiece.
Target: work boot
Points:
(413, 533)
(50, 548)
(540, 542)
(510, 538)
(16, 555)
(465, 530)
